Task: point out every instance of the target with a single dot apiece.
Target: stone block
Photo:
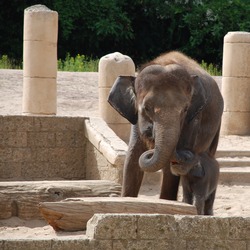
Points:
(115, 142)
(35, 171)
(112, 226)
(202, 228)
(56, 124)
(122, 130)
(41, 139)
(22, 154)
(40, 24)
(98, 167)
(5, 153)
(103, 139)
(149, 244)
(39, 96)
(15, 139)
(237, 37)
(236, 93)
(239, 228)
(236, 60)
(27, 244)
(113, 65)
(39, 59)
(10, 170)
(152, 227)
(16, 123)
(215, 244)
(80, 244)
(68, 139)
(235, 123)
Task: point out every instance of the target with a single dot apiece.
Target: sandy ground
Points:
(78, 96)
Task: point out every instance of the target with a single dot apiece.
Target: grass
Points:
(7, 63)
(213, 70)
(82, 63)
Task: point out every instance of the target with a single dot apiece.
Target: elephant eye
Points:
(148, 109)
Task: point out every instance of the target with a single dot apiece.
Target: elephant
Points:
(172, 104)
(199, 178)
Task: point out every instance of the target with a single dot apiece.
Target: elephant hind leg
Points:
(214, 144)
(170, 185)
(208, 210)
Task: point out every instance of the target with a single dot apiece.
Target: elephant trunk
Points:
(166, 138)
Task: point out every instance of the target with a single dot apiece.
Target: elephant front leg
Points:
(132, 174)
(170, 185)
(209, 204)
(187, 192)
(199, 203)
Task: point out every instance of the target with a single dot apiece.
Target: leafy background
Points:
(141, 29)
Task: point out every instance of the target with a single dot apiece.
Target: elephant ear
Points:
(197, 171)
(122, 98)
(199, 99)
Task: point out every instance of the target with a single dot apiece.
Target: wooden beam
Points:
(21, 198)
(73, 214)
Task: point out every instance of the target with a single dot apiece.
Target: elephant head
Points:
(186, 162)
(158, 100)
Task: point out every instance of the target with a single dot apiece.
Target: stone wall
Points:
(150, 232)
(105, 152)
(54, 148)
(40, 148)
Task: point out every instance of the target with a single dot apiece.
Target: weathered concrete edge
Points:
(168, 227)
(110, 231)
(105, 140)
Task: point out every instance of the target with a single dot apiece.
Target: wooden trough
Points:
(73, 214)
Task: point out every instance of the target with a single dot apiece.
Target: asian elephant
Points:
(173, 104)
(199, 178)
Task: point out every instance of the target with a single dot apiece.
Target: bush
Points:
(79, 63)
(7, 63)
(141, 29)
(211, 69)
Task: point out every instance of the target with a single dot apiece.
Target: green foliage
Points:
(211, 69)
(7, 63)
(141, 29)
(79, 63)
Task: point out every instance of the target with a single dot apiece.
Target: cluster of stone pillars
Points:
(40, 73)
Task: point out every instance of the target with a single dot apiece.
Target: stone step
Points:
(237, 175)
(234, 161)
(228, 175)
(232, 153)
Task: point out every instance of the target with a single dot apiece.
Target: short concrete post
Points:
(40, 60)
(236, 84)
(110, 67)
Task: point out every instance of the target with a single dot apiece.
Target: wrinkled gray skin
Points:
(173, 105)
(199, 178)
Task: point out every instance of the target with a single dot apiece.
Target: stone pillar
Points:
(236, 84)
(40, 60)
(110, 67)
